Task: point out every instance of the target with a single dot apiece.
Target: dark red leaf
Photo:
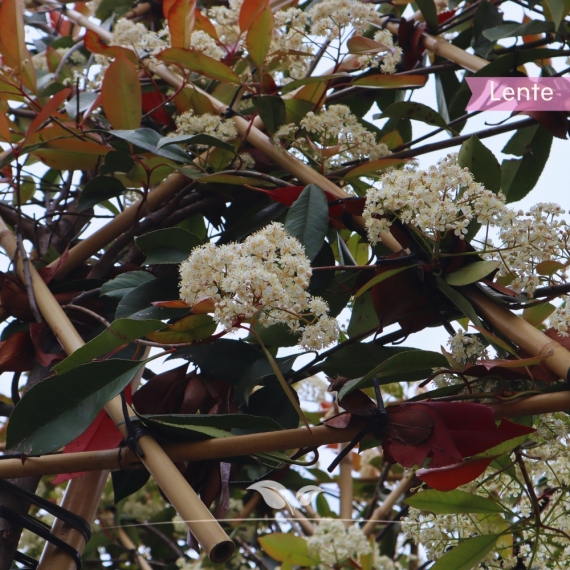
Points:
(444, 16)
(150, 101)
(48, 273)
(453, 476)
(47, 348)
(17, 353)
(340, 421)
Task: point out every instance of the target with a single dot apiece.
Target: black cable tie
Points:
(229, 113)
(71, 519)
(39, 529)
(135, 429)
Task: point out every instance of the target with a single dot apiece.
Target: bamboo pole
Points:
(386, 507)
(181, 495)
(83, 504)
(130, 545)
(345, 489)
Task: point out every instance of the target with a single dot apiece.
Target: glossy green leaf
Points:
(184, 427)
(116, 161)
(440, 502)
(271, 110)
(467, 554)
(471, 273)
(98, 190)
(308, 219)
(199, 63)
(125, 483)
(482, 163)
(60, 408)
(487, 16)
(259, 35)
(293, 85)
(119, 333)
(521, 175)
(187, 329)
(379, 278)
(514, 29)
(147, 139)
(414, 111)
(288, 548)
(363, 317)
(505, 447)
(537, 314)
(459, 301)
(125, 282)
(429, 12)
(297, 109)
(201, 139)
(558, 9)
(416, 364)
(169, 245)
(137, 303)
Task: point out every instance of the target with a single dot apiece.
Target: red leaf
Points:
(204, 23)
(249, 11)
(150, 101)
(444, 16)
(453, 476)
(17, 353)
(48, 110)
(101, 434)
(460, 429)
(94, 44)
(48, 273)
(181, 22)
(41, 336)
(339, 421)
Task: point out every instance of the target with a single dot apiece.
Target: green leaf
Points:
(184, 427)
(487, 16)
(459, 301)
(58, 409)
(505, 447)
(98, 190)
(116, 161)
(467, 554)
(202, 139)
(125, 483)
(429, 12)
(80, 103)
(379, 278)
(199, 63)
(537, 314)
(296, 110)
(292, 85)
(121, 285)
(288, 548)
(187, 329)
(521, 175)
(259, 35)
(471, 273)
(482, 163)
(558, 10)
(416, 364)
(271, 110)
(170, 245)
(514, 29)
(414, 111)
(440, 502)
(363, 317)
(308, 219)
(147, 139)
(119, 333)
(137, 303)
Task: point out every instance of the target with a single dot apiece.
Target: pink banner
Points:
(519, 93)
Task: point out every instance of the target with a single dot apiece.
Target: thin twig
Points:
(28, 279)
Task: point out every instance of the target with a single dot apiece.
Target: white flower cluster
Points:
(466, 348)
(560, 318)
(391, 58)
(203, 42)
(548, 467)
(264, 278)
(290, 40)
(225, 20)
(336, 136)
(330, 18)
(366, 467)
(444, 198)
(529, 239)
(335, 543)
(190, 124)
(312, 389)
(130, 35)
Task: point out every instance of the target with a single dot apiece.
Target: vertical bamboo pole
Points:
(345, 488)
(181, 495)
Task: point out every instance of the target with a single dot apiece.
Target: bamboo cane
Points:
(183, 498)
(386, 507)
(346, 489)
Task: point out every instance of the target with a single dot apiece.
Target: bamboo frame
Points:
(180, 494)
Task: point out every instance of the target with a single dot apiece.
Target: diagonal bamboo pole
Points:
(181, 495)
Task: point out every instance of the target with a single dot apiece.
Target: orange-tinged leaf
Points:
(192, 99)
(204, 306)
(385, 81)
(94, 44)
(122, 94)
(259, 36)
(205, 24)
(166, 6)
(13, 44)
(549, 267)
(313, 92)
(181, 20)
(362, 45)
(4, 128)
(392, 139)
(179, 304)
(200, 63)
(374, 166)
(188, 329)
(249, 11)
(48, 110)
